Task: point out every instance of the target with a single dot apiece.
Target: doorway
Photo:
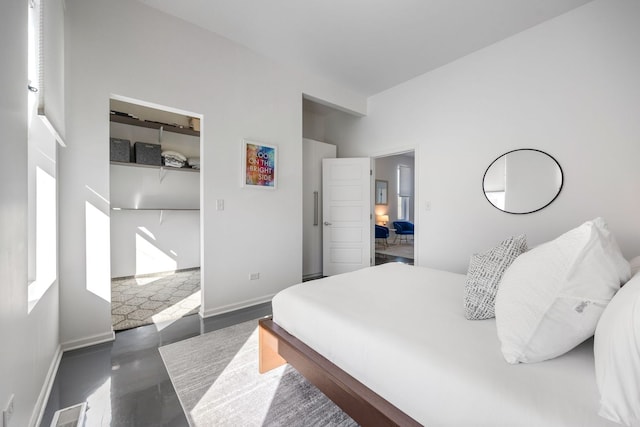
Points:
(315, 147)
(155, 214)
(394, 209)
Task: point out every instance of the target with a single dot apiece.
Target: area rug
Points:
(216, 378)
(403, 250)
(156, 298)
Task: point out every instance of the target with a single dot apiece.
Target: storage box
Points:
(120, 150)
(147, 153)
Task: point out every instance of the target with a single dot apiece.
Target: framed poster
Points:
(381, 192)
(259, 165)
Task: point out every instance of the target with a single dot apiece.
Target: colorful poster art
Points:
(259, 165)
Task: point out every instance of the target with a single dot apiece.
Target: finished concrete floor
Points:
(125, 382)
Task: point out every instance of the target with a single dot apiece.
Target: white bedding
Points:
(401, 331)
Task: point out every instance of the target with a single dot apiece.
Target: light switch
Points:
(220, 204)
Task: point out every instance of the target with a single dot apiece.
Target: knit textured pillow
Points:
(483, 277)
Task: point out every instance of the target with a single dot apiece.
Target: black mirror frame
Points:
(524, 149)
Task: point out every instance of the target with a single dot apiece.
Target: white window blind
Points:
(50, 64)
(405, 181)
(39, 8)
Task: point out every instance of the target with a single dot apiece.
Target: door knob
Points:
(327, 223)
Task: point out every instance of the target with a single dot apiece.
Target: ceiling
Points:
(366, 45)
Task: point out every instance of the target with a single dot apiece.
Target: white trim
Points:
(417, 205)
(52, 129)
(158, 107)
(88, 341)
(45, 392)
(394, 151)
(236, 306)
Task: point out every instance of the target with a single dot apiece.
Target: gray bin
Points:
(148, 154)
(120, 150)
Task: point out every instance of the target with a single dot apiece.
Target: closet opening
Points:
(155, 213)
(315, 147)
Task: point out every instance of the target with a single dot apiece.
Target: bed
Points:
(391, 346)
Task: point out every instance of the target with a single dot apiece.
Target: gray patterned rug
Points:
(155, 298)
(217, 381)
(403, 249)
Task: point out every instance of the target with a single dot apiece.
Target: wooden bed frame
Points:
(277, 347)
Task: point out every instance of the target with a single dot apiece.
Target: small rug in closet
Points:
(155, 298)
(216, 378)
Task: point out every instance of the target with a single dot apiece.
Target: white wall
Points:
(151, 241)
(144, 242)
(569, 87)
(313, 125)
(29, 341)
(160, 59)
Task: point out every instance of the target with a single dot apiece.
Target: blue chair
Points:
(382, 233)
(403, 229)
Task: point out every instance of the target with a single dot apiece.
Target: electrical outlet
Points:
(7, 413)
(254, 276)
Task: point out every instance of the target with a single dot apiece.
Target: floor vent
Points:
(73, 416)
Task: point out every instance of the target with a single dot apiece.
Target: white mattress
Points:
(401, 331)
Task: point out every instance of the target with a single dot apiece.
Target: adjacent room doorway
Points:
(319, 261)
(394, 209)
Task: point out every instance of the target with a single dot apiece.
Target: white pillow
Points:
(550, 298)
(617, 356)
(635, 265)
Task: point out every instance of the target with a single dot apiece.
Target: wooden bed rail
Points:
(268, 358)
(367, 408)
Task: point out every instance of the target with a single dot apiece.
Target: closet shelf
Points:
(155, 209)
(116, 118)
(166, 168)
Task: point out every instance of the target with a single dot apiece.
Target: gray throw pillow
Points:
(483, 277)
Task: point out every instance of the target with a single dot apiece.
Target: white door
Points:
(346, 213)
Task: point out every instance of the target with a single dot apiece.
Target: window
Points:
(405, 192)
(41, 170)
(403, 208)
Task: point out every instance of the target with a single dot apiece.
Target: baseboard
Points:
(89, 341)
(43, 397)
(158, 273)
(236, 306)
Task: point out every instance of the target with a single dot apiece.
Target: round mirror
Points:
(522, 181)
